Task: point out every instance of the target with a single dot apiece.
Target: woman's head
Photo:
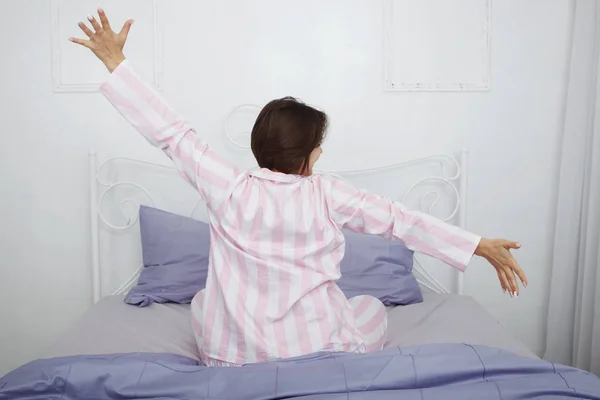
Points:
(287, 136)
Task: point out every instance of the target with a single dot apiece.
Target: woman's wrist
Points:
(480, 250)
(114, 62)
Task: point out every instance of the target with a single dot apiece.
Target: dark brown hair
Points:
(285, 133)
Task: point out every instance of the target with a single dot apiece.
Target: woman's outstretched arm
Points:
(152, 116)
(372, 214)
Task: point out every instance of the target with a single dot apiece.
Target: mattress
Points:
(111, 326)
(448, 318)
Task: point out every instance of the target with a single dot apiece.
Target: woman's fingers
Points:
(511, 245)
(85, 29)
(125, 30)
(512, 279)
(501, 279)
(513, 269)
(94, 23)
(509, 281)
(85, 43)
(104, 20)
(517, 269)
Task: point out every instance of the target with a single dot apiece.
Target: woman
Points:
(276, 243)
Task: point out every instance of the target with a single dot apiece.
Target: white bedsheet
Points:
(111, 326)
(449, 319)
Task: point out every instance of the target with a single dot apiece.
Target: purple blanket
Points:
(452, 371)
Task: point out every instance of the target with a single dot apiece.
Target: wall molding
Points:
(91, 87)
(396, 84)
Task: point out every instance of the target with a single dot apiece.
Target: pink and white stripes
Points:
(276, 245)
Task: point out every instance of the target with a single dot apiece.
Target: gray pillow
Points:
(175, 252)
(378, 267)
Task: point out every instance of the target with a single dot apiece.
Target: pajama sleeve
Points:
(368, 213)
(150, 114)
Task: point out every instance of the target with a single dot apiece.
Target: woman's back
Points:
(271, 291)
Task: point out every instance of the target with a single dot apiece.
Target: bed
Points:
(447, 346)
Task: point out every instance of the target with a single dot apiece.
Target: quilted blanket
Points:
(448, 371)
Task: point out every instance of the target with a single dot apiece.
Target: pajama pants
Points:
(371, 321)
(369, 314)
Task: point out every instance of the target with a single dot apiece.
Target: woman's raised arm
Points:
(150, 114)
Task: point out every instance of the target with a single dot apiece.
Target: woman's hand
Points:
(497, 252)
(104, 43)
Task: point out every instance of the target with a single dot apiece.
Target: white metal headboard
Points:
(434, 182)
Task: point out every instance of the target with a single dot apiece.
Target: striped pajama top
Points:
(276, 243)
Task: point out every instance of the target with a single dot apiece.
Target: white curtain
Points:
(573, 331)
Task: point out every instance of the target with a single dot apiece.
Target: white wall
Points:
(215, 61)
